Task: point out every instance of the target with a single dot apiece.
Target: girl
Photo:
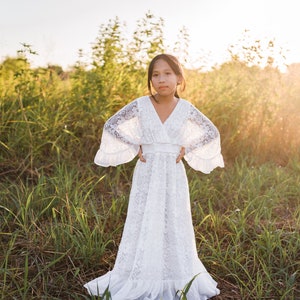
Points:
(157, 255)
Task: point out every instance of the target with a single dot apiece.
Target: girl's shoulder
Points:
(191, 109)
(135, 102)
(186, 104)
(139, 100)
(190, 105)
(142, 99)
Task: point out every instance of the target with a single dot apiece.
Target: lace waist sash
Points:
(160, 148)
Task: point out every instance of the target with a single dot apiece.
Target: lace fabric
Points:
(202, 141)
(120, 138)
(123, 125)
(157, 254)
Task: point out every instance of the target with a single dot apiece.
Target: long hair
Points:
(174, 64)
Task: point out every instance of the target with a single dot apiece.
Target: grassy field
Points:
(61, 217)
(65, 229)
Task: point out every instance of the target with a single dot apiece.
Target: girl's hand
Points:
(181, 155)
(140, 154)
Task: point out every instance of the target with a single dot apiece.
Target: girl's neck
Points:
(164, 99)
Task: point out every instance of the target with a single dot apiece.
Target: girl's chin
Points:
(165, 92)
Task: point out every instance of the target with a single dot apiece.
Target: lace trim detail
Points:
(113, 124)
(206, 130)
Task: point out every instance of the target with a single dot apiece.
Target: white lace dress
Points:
(157, 255)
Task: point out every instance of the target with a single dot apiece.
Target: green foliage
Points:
(65, 229)
(48, 114)
(183, 293)
(61, 217)
(148, 40)
(253, 108)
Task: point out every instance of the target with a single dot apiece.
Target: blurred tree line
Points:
(49, 115)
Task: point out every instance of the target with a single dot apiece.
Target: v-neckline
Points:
(169, 116)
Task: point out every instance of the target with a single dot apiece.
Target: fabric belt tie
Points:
(161, 148)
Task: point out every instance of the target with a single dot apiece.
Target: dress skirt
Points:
(157, 254)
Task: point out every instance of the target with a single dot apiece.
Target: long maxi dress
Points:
(157, 254)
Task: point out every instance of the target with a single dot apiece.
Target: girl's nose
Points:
(161, 78)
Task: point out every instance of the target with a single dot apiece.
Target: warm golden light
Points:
(58, 29)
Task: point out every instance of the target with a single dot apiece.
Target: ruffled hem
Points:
(202, 288)
(204, 165)
(113, 159)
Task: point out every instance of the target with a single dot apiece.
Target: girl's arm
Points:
(202, 142)
(120, 137)
(205, 131)
(121, 124)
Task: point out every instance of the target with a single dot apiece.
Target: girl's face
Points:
(163, 79)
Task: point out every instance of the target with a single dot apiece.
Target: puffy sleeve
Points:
(201, 140)
(120, 137)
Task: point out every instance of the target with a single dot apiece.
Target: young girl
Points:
(157, 255)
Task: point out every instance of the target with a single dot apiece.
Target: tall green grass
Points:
(64, 231)
(51, 229)
(250, 230)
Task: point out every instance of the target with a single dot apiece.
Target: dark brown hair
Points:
(174, 64)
